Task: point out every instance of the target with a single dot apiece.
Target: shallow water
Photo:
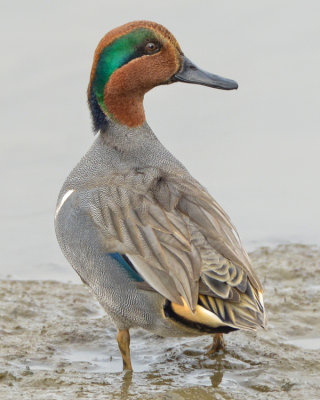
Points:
(57, 344)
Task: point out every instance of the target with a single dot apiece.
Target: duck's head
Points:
(128, 62)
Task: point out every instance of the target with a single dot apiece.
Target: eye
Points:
(151, 48)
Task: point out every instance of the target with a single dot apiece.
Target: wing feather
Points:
(179, 239)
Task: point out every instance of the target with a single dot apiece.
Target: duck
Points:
(154, 247)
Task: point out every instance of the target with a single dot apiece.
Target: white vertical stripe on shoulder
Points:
(64, 198)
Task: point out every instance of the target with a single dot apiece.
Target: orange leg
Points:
(217, 344)
(123, 338)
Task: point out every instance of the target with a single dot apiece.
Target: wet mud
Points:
(57, 343)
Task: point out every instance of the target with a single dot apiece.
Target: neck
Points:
(123, 108)
(126, 108)
(128, 139)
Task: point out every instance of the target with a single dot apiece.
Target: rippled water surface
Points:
(56, 343)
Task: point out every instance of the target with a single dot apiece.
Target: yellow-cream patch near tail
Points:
(200, 315)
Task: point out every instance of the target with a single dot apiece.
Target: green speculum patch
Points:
(114, 56)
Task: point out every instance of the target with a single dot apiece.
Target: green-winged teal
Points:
(155, 248)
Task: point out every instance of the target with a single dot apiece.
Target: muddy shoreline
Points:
(57, 343)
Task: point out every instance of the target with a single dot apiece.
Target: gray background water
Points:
(256, 150)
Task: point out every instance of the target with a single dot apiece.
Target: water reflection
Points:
(216, 378)
(203, 367)
(126, 383)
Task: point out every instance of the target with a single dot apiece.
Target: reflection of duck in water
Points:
(155, 248)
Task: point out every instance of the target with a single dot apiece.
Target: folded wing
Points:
(180, 241)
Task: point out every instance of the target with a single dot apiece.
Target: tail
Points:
(213, 314)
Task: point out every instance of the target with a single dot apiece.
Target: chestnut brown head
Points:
(128, 62)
